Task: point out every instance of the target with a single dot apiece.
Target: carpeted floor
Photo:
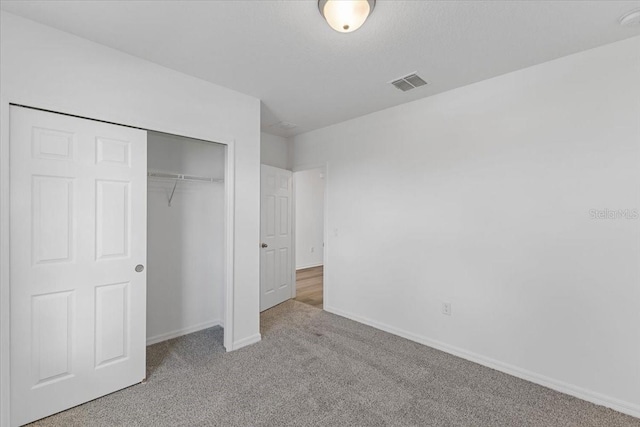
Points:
(313, 368)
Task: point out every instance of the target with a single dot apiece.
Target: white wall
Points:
(185, 241)
(481, 197)
(50, 69)
(274, 151)
(309, 199)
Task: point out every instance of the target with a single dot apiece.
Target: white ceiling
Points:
(284, 53)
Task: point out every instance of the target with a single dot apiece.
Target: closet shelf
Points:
(181, 177)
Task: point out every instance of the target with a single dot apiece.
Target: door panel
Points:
(52, 332)
(276, 273)
(52, 219)
(112, 322)
(112, 219)
(78, 229)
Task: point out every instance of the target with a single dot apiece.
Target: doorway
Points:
(310, 235)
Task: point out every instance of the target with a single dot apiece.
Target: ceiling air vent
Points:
(409, 82)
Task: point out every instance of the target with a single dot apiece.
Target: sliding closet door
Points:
(78, 249)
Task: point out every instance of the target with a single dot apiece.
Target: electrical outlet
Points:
(446, 308)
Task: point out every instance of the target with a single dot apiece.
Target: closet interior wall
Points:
(185, 285)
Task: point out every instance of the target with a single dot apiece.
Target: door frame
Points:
(325, 225)
(5, 229)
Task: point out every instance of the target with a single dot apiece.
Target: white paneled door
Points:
(78, 250)
(276, 256)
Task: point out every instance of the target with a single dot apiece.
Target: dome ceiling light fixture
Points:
(346, 16)
(630, 19)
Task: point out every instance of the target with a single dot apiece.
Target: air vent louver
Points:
(403, 85)
(409, 82)
(415, 80)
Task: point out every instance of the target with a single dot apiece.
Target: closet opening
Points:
(185, 238)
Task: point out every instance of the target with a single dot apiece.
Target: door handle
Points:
(264, 245)
(139, 268)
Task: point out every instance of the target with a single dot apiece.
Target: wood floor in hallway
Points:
(309, 286)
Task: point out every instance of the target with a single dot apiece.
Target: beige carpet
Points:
(313, 368)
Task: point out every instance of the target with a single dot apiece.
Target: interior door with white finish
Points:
(78, 250)
(276, 256)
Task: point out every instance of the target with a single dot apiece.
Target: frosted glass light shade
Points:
(346, 16)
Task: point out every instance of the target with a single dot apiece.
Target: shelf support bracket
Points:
(172, 192)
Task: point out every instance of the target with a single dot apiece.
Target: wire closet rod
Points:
(182, 177)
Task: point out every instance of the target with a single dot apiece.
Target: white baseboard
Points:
(566, 388)
(247, 341)
(184, 331)
(309, 266)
